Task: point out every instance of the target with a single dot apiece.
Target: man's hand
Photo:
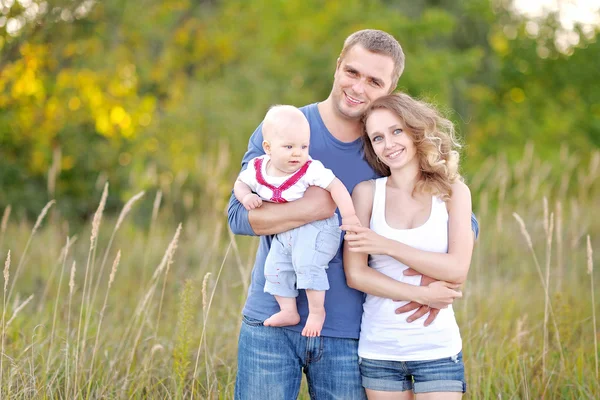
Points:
(421, 309)
(251, 201)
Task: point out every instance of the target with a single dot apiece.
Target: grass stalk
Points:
(6, 279)
(559, 247)
(68, 334)
(36, 226)
(126, 209)
(139, 314)
(64, 255)
(87, 289)
(155, 208)
(90, 259)
(590, 270)
(170, 253)
(527, 237)
(18, 309)
(205, 315)
(110, 282)
(548, 228)
(4, 224)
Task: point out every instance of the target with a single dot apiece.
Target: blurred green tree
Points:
(154, 94)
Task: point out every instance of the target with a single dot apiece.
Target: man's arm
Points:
(270, 218)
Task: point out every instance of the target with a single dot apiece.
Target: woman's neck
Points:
(405, 178)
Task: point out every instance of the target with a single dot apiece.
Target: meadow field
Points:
(141, 305)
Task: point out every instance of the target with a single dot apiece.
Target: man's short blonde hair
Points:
(378, 42)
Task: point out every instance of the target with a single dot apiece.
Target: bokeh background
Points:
(160, 97)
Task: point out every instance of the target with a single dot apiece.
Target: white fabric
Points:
(385, 335)
(316, 175)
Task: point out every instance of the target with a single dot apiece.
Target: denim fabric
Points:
(271, 362)
(299, 257)
(442, 375)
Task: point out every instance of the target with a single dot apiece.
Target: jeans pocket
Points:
(328, 241)
(251, 321)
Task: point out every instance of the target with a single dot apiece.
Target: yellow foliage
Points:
(67, 163)
(74, 103)
(499, 43)
(145, 119)
(38, 161)
(152, 145)
(517, 95)
(103, 125)
(117, 114)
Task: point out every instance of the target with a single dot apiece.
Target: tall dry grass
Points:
(163, 322)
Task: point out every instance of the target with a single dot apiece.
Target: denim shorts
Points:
(299, 258)
(442, 375)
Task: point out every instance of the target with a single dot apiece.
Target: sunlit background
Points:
(157, 99)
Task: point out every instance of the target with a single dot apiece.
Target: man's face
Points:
(360, 78)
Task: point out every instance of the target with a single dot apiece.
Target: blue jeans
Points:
(271, 362)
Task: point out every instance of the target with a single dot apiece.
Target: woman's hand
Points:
(441, 294)
(363, 240)
(351, 221)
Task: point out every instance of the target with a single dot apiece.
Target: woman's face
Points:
(391, 143)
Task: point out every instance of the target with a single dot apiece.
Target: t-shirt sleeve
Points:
(237, 215)
(318, 175)
(248, 176)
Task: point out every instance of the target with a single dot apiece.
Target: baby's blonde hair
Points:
(278, 117)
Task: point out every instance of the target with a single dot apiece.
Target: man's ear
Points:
(266, 147)
(337, 64)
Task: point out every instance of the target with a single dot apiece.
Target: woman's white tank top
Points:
(385, 335)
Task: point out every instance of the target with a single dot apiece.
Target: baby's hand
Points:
(351, 220)
(251, 201)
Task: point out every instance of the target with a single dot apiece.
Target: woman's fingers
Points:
(452, 285)
(354, 228)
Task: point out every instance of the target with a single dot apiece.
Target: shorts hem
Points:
(312, 285)
(277, 290)
(385, 385)
(440, 386)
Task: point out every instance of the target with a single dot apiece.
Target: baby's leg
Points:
(316, 313)
(280, 281)
(288, 314)
(316, 244)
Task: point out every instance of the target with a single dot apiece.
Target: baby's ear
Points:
(266, 146)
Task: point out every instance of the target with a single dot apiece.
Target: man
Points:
(271, 360)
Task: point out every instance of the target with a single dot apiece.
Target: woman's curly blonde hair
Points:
(434, 139)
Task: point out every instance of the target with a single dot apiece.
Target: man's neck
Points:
(343, 129)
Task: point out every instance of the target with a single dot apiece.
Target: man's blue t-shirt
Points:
(343, 305)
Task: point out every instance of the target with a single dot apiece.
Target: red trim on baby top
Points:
(278, 190)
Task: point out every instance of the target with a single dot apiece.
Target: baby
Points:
(298, 258)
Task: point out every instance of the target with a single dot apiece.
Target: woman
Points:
(419, 218)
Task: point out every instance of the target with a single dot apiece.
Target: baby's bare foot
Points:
(314, 323)
(283, 318)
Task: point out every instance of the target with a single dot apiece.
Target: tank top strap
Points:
(378, 211)
(438, 208)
